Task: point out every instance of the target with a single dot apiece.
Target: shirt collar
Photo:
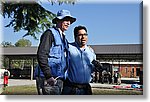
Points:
(59, 31)
(82, 49)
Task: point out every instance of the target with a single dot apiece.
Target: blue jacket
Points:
(80, 66)
(57, 58)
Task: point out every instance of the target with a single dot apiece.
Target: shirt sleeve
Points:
(43, 52)
(93, 57)
(93, 53)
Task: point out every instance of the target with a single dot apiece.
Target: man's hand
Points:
(51, 81)
(97, 65)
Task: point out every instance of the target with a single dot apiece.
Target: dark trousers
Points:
(115, 79)
(70, 88)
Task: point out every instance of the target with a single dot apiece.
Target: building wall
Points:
(129, 70)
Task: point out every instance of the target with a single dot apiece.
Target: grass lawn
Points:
(97, 91)
(20, 90)
(31, 90)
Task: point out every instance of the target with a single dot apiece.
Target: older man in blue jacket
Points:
(52, 54)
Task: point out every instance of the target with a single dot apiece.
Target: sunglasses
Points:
(82, 35)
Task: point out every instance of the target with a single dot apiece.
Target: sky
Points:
(107, 22)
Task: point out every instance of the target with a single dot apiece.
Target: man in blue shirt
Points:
(80, 67)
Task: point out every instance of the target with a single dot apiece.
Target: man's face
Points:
(81, 38)
(64, 25)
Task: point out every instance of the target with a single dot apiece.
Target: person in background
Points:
(6, 76)
(80, 67)
(109, 78)
(115, 77)
(119, 78)
(52, 54)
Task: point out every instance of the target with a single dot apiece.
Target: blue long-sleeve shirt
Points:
(80, 66)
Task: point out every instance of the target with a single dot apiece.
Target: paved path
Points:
(19, 82)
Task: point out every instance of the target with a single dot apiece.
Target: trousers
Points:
(70, 88)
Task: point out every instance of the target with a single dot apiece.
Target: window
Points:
(126, 70)
(137, 71)
(132, 69)
(115, 69)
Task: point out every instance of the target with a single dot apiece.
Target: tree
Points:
(7, 44)
(23, 43)
(31, 17)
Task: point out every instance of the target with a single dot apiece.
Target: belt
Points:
(76, 85)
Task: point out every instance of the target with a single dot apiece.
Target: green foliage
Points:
(23, 43)
(20, 43)
(7, 44)
(31, 17)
